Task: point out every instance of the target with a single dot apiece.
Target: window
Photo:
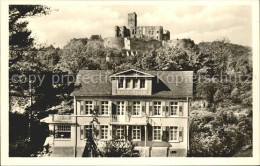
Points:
(142, 83)
(63, 131)
(136, 133)
(89, 107)
(120, 107)
(120, 83)
(104, 132)
(135, 83)
(128, 83)
(120, 132)
(157, 108)
(174, 133)
(157, 133)
(104, 107)
(136, 108)
(157, 31)
(174, 108)
(88, 129)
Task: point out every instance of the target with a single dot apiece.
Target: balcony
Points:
(126, 119)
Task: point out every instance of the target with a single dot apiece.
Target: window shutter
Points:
(164, 111)
(113, 132)
(129, 108)
(180, 108)
(98, 131)
(82, 132)
(180, 134)
(142, 133)
(150, 132)
(167, 133)
(166, 108)
(82, 107)
(143, 108)
(151, 109)
(130, 133)
(109, 107)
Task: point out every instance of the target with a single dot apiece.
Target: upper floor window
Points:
(135, 83)
(120, 107)
(89, 107)
(104, 132)
(136, 108)
(174, 108)
(157, 108)
(142, 83)
(120, 83)
(128, 83)
(157, 133)
(63, 131)
(104, 107)
(174, 133)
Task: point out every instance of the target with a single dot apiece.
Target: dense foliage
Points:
(218, 127)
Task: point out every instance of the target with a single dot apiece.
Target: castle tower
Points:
(132, 23)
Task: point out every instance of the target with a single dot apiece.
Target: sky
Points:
(199, 23)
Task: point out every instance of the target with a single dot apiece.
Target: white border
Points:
(5, 160)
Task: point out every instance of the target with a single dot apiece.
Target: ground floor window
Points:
(104, 132)
(63, 131)
(136, 132)
(174, 133)
(157, 133)
(120, 132)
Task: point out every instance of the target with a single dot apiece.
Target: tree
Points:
(22, 63)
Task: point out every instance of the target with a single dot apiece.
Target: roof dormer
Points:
(131, 82)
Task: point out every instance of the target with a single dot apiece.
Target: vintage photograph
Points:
(130, 80)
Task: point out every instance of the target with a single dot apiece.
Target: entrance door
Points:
(120, 111)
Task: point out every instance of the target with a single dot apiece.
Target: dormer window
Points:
(132, 82)
(128, 83)
(120, 83)
(135, 83)
(142, 83)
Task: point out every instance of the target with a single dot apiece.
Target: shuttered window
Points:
(136, 108)
(136, 133)
(104, 132)
(104, 107)
(174, 133)
(120, 108)
(157, 108)
(157, 133)
(174, 108)
(120, 132)
(89, 107)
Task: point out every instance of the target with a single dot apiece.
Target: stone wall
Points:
(114, 42)
(142, 45)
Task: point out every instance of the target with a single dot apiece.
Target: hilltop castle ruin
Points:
(137, 38)
(141, 32)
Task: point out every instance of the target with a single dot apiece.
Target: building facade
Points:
(150, 108)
